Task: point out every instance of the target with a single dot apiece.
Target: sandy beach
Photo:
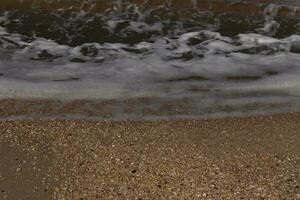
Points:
(149, 99)
(233, 158)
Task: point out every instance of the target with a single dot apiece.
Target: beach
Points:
(156, 99)
(231, 158)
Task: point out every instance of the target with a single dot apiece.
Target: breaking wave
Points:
(205, 51)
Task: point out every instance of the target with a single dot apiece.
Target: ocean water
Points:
(222, 58)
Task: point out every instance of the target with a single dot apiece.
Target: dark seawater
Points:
(221, 58)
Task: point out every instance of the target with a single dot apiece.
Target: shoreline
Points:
(149, 99)
(139, 109)
(230, 158)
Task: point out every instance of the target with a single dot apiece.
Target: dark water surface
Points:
(212, 55)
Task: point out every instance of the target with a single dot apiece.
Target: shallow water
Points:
(232, 54)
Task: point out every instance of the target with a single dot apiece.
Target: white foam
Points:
(167, 67)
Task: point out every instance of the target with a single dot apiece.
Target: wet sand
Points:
(233, 158)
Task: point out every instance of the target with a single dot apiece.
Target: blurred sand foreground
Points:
(249, 158)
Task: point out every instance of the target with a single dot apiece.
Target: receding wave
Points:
(203, 51)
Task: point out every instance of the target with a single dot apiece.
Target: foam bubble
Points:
(127, 53)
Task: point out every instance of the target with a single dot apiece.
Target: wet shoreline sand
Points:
(141, 108)
(232, 158)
